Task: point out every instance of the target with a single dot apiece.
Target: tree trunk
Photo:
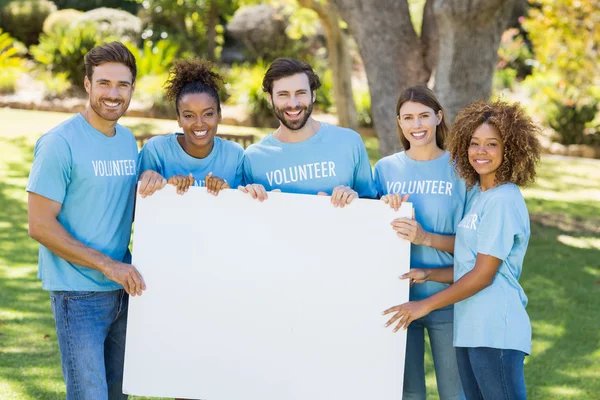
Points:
(211, 31)
(470, 33)
(393, 58)
(340, 61)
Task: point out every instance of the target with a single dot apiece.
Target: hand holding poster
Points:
(279, 300)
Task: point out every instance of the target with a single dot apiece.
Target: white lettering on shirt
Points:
(420, 187)
(468, 222)
(114, 167)
(298, 173)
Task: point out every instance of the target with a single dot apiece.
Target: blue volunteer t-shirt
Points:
(332, 157)
(439, 198)
(93, 176)
(497, 224)
(165, 155)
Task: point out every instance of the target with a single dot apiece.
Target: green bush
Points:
(24, 19)
(56, 85)
(150, 92)
(61, 18)
(325, 94)
(245, 87)
(85, 5)
(504, 78)
(8, 52)
(63, 50)
(109, 21)
(10, 64)
(362, 100)
(8, 79)
(570, 111)
(154, 58)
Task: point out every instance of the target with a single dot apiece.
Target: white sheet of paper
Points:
(279, 300)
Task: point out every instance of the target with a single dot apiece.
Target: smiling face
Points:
(486, 153)
(199, 118)
(418, 123)
(292, 101)
(110, 90)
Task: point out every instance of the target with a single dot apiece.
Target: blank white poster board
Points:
(280, 300)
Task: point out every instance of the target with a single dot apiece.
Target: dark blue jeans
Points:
(91, 335)
(491, 374)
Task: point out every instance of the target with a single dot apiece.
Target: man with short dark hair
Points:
(304, 155)
(81, 195)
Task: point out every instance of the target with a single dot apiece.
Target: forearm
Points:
(54, 236)
(440, 242)
(463, 288)
(442, 275)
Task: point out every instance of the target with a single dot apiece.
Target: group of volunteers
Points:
(469, 232)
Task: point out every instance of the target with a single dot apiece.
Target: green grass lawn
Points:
(561, 274)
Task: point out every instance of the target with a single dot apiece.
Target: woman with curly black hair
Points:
(197, 157)
(494, 146)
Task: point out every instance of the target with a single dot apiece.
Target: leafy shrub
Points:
(24, 19)
(86, 5)
(571, 121)
(64, 49)
(56, 85)
(8, 53)
(10, 64)
(8, 79)
(150, 92)
(62, 18)
(245, 87)
(570, 111)
(154, 58)
(325, 94)
(110, 21)
(362, 100)
(504, 78)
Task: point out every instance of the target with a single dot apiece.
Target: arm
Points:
(409, 229)
(422, 275)
(45, 229)
(474, 281)
(363, 174)
(439, 242)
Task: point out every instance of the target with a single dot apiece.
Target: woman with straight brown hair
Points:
(423, 175)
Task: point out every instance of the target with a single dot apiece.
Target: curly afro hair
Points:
(193, 76)
(519, 137)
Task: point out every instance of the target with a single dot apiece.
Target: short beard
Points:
(294, 125)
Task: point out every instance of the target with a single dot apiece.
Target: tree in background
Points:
(566, 40)
(197, 25)
(457, 47)
(339, 58)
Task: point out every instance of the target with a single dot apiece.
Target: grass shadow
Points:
(561, 282)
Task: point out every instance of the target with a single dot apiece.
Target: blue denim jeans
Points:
(91, 335)
(439, 325)
(492, 374)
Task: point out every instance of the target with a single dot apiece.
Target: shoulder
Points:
(338, 132)
(159, 141)
(261, 145)
(63, 131)
(506, 198)
(229, 145)
(388, 160)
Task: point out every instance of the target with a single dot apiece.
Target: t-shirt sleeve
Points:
(239, 171)
(377, 180)
(363, 175)
(498, 228)
(247, 171)
(469, 197)
(148, 160)
(50, 173)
